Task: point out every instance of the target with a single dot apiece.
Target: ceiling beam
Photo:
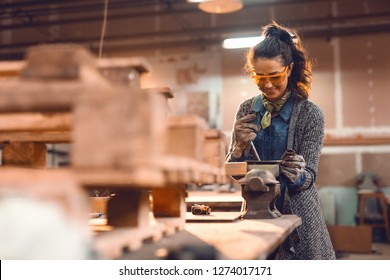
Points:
(328, 23)
(326, 33)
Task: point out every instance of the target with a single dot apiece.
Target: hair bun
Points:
(276, 31)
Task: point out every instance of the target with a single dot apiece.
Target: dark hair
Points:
(280, 42)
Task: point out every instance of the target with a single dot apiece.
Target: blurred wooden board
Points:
(245, 239)
(214, 217)
(354, 239)
(11, 122)
(241, 240)
(218, 201)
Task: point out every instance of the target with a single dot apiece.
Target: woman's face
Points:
(271, 76)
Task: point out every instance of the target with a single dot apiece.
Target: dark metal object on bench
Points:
(260, 190)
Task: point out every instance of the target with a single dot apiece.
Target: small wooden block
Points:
(236, 168)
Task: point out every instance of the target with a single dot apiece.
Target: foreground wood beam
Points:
(10, 122)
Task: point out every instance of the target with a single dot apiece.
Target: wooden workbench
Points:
(245, 239)
(240, 240)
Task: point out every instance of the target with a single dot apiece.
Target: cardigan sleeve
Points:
(309, 141)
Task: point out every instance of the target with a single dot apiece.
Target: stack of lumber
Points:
(121, 138)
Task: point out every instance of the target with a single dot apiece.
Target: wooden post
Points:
(129, 208)
(169, 202)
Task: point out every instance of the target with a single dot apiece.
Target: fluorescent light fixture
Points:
(241, 43)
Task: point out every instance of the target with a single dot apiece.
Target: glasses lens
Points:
(277, 79)
(274, 79)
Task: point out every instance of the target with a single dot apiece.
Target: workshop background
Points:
(348, 40)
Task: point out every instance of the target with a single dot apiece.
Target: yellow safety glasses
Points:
(275, 79)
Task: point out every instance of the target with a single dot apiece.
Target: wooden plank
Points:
(35, 122)
(214, 217)
(11, 68)
(229, 202)
(24, 154)
(140, 177)
(112, 244)
(356, 140)
(246, 239)
(37, 136)
(162, 172)
(44, 96)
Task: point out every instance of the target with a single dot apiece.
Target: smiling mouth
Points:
(270, 91)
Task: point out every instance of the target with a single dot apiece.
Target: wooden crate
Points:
(215, 147)
(354, 239)
(186, 136)
(117, 129)
(51, 80)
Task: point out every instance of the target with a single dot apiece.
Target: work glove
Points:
(292, 166)
(244, 132)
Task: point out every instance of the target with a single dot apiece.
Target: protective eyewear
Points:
(275, 79)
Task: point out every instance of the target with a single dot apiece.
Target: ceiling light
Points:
(220, 6)
(241, 43)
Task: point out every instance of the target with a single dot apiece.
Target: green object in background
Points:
(343, 200)
(386, 190)
(328, 205)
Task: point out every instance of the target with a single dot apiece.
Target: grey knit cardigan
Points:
(311, 239)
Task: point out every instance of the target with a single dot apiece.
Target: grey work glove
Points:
(292, 165)
(244, 132)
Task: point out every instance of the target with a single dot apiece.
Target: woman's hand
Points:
(292, 166)
(245, 132)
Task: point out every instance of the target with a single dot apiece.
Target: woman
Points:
(284, 125)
